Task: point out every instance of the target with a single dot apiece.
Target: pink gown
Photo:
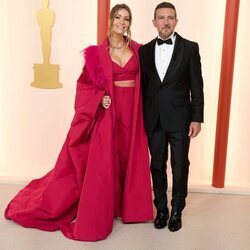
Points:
(81, 196)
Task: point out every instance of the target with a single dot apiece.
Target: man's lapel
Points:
(175, 60)
(151, 59)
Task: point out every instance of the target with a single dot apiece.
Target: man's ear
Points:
(153, 21)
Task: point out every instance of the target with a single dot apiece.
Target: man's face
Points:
(165, 22)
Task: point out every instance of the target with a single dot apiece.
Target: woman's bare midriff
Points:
(128, 83)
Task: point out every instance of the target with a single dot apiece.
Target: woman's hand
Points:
(106, 101)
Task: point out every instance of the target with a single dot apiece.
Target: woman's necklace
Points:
(116, 47)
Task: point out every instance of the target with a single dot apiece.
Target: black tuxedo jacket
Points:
(178, 99)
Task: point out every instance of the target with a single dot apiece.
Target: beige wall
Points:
(34, 122)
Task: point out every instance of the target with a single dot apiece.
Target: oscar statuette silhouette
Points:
(46, 75)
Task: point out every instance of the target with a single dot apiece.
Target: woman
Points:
(102, 171)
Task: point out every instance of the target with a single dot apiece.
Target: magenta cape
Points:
(78, 195)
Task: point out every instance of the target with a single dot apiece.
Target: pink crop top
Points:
(127, 72)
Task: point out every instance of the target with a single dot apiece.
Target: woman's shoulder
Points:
(93, 66)
(91, 57)
(135, 44)
(90, 51)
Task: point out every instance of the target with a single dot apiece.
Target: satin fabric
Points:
(123, 101)
(78, 195)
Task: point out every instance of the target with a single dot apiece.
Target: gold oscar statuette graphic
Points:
(46, 75)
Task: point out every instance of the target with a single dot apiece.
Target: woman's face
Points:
(121, 22)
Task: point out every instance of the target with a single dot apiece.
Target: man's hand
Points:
(194, 129)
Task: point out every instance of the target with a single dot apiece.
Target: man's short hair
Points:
(165, 5)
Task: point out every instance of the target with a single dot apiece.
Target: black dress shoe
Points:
(175, 222)
(161, 219)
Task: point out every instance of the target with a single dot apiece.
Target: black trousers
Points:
(159, 141)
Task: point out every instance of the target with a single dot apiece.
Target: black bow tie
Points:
(160, 41)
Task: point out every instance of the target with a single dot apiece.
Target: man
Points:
(173, 102)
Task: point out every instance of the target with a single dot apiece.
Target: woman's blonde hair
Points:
(112, 15)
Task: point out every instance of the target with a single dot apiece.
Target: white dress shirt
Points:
(163, 55)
